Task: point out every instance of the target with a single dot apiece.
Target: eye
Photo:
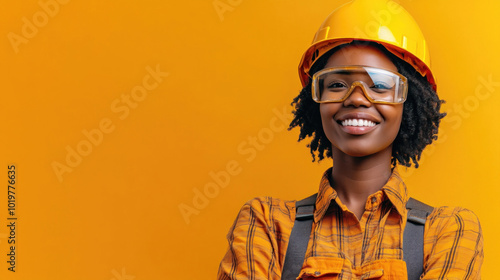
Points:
(336, 85)
(381, 86)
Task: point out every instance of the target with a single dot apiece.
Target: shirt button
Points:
(374, 199)
(317, 273)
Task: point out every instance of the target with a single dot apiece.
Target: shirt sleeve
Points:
(453, 245)
(254, 250)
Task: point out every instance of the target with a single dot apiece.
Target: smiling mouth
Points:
(357, 122)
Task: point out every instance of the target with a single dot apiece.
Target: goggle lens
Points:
(378, 85)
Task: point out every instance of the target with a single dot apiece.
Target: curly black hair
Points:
(419, 125)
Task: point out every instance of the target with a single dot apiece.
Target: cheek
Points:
(323, 112)
(399, 114)
(327, 112)
(393, 115)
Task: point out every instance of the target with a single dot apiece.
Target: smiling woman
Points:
(369, 103)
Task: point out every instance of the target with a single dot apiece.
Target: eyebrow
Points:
(344, 72)
(351, 71)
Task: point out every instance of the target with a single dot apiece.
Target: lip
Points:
(357, 130)
(358, 115)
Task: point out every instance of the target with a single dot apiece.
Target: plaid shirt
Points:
(343, 247)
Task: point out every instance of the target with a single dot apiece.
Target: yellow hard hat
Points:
(381, 21)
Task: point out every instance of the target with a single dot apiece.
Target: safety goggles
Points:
(378, 85)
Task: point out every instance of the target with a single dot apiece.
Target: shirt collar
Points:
(395, 190)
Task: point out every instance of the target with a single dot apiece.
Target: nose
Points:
(357, 97)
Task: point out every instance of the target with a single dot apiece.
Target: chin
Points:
(362, 151)
(358, 153)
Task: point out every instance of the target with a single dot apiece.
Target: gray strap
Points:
(299, 238)
(413, 238)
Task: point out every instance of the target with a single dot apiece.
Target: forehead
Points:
(360, 55)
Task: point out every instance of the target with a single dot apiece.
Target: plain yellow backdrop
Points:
(121, 114)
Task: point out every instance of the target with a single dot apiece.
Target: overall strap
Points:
(413, 237)
(297, 244)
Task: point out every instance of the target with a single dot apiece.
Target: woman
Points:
(369, 103)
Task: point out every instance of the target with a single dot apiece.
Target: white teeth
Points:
(357, 122)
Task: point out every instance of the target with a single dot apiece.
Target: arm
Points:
(254, 249)
(453, 245)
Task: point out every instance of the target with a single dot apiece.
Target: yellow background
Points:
(116, 214)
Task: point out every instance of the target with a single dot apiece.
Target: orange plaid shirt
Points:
(343, 247)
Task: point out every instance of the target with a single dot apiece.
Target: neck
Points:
(356, 178)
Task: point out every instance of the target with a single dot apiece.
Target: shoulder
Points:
(446, 219)
(267, 212)
(266, 203)
(453, 244)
